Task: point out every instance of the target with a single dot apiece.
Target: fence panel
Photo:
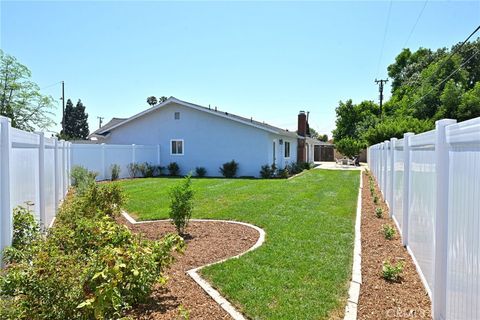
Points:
(463, 254)
(100, 157)
(436, 206)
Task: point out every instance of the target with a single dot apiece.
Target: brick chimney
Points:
(302, 124)
(302, 131)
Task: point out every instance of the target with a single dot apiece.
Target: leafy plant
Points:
(200, 172)
(87, 267)
(147, 170)
(181, 204)
(388, 231)
(173, 168)
(82, 179)
(133, 169)
(378, 212)
(392, 272)
(229, 169)
(283, 173)
(375, 199)
(266, 172)
(114, 172)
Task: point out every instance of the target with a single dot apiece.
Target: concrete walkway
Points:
(332, 165)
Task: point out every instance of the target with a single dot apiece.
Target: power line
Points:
(446, 78)
(415, 24)
(384, 36)
(50, 85)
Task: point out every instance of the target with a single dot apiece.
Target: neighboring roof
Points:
(117, 122)
(106, 126)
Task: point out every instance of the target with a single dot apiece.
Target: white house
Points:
(195, 136)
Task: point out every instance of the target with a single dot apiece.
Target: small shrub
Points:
(266, 172)
(158, 171)
(173, 168)
(200, 172)
(375, 199)
(114, 172)
(283, 173)
(147, 170)
(133, 169)
(378, 212)
(388, 231)
(372, 191)
(229, 169)
(181, 204)
(305, 166)
(82, 179)
(392, 272)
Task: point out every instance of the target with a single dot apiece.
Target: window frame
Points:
(285, 149)
(175, 115)
(171, 147)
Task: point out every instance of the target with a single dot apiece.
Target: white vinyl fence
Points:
(33, 169)
(431, 182)
(99, 158)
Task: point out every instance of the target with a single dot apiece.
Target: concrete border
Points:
(354, 292)
(193, 273)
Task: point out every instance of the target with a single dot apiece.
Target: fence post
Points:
(439, 300)
(57, 174)
(385, 169)
(393, 141)
(406, 187)
(104, 171)
(6, 219)
(41, 178)
(64, 169)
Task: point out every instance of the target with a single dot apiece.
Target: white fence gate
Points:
(33, 169)
(100, 157)
(431, 183)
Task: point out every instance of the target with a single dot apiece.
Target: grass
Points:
(303, 269)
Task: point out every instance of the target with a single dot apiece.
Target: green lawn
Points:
(303, 269)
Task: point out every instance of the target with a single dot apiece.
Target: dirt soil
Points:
(207, 242)
(380, 299)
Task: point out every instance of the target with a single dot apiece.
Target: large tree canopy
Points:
(427, 86)
(20, 98)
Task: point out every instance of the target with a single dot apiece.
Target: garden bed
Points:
(207, 242)
(381, 299)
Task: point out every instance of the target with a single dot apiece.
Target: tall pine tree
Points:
(75, 122)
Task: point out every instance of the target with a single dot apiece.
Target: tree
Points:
(20, 98)
(323, 137)
(152, 101)
(354, 119)
(349, 147)
(75, 122)
(162, 99)
(470, 106)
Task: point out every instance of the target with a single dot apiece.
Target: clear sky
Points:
(265, 60)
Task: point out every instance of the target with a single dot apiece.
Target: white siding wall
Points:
(209, 140)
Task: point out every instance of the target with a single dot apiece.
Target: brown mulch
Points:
(207, 242)
(380, 299)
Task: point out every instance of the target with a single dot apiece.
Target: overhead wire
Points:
(415, 24)
(384, 36)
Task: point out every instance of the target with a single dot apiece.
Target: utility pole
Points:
(100, 122)
(63, 105)
(380, 89)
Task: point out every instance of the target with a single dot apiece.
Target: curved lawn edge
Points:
(193, 273)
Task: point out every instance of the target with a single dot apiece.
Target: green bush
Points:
(378, 212)
(388, 231)
(133, 169)
(266, 172)
(200, 172)
(82, 179)
(173, 168)
(87, 267)
(375, 199)
(283, 173)
(392, 272)
(229, 169)
(114, 172)
(147, 170)
(181, 204)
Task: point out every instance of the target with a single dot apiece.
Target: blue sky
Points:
(265, 60)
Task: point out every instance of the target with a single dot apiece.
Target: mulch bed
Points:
(380, 299)
(207, 242)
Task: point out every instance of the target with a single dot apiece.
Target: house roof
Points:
(117, 122)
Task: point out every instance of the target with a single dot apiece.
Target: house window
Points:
(287, 149)
(177, 115)
(176, 147)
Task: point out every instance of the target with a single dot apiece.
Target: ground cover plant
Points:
(303, 269)
(87, 267)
